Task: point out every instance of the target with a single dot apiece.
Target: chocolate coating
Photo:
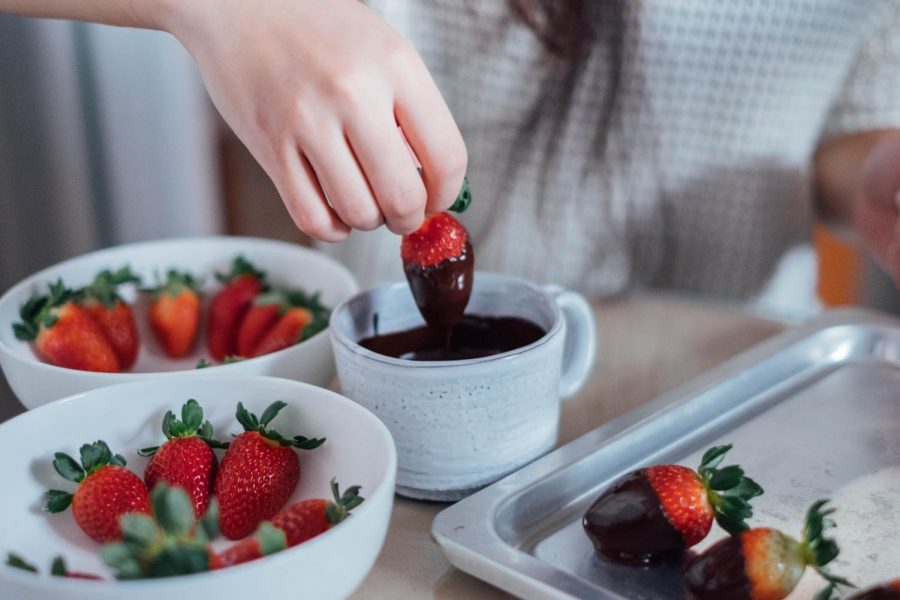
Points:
(719, 573)
(627, 524)
(442, 291)
(473, 337)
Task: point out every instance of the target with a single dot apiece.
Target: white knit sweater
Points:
(704, 183)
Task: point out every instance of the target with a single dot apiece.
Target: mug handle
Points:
(580, 351)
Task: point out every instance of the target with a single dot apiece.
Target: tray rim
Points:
(483, 553)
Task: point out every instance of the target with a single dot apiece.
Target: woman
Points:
(612, 145)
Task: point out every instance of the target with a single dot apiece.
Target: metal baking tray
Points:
(812, 413)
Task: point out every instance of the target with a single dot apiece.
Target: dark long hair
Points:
(570, 30)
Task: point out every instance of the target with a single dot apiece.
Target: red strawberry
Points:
(169, 542)
(267, 540)
(293, 525)
(64, 333)
(175, 313)
(186, 460)
(886, 591)
(57, 567)
(229, 305)
(438, 261)
(106, 491)
(114, 316)
(287, 331)
(764, 564)
(258, 473)
(657, 512)
(260, 318)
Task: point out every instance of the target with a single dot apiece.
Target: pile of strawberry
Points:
(93, 328)
(164, 524)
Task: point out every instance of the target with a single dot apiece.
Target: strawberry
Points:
(657, 512)
(175, 313)
(286, 332)
(438, 261)
(64, 334)
(259, 472)
(763, 563)
(106, 491)
(293, 525)
(57, 567)
(114, 316)
(229, 305)
(186, 459)
(886, 591)
(267, 540)
(169, 542)
(281, 317)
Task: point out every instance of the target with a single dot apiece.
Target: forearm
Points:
(838, 172)
(148, 14)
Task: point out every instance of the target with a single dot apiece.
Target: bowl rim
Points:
(126, 376)
(353, 346)
(51, 583)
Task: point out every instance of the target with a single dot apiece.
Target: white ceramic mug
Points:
(460, 425)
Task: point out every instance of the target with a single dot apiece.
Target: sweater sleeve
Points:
(870, 98)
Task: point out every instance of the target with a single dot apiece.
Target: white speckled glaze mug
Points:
(461, 425)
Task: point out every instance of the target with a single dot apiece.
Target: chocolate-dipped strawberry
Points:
(656, 513)
(885, 591)
(438, 262)
(765, 564)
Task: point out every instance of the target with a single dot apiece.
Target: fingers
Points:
(342, 180)
(428, 125)
(302, 195)
(389, 168)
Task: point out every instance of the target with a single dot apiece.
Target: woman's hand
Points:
(877, 205)
(317, 89)
(857, 180)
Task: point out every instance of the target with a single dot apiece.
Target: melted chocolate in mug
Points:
(473, 337)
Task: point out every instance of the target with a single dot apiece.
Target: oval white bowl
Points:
(359, 450)
(36, 382)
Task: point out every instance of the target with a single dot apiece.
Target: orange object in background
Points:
(840, 269)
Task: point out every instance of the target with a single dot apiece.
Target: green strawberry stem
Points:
(105, 286)
(240, 267)
(175, 283)
(250, 422)
(464, 199)
(170, 542)
(37, 311)
(819, 550)
(190, 425)
(728, 489)
(343, 503)
(93, 458)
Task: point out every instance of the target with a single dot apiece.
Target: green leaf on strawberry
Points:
(191, 424)
(250, 422)
(730, 490)
(17, 562)
(168, 543)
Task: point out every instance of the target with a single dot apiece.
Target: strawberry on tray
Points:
(175, 313)
(765, 564)
(656, 513)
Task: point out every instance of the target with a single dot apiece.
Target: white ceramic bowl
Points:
(359, 450)
(36, 382)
